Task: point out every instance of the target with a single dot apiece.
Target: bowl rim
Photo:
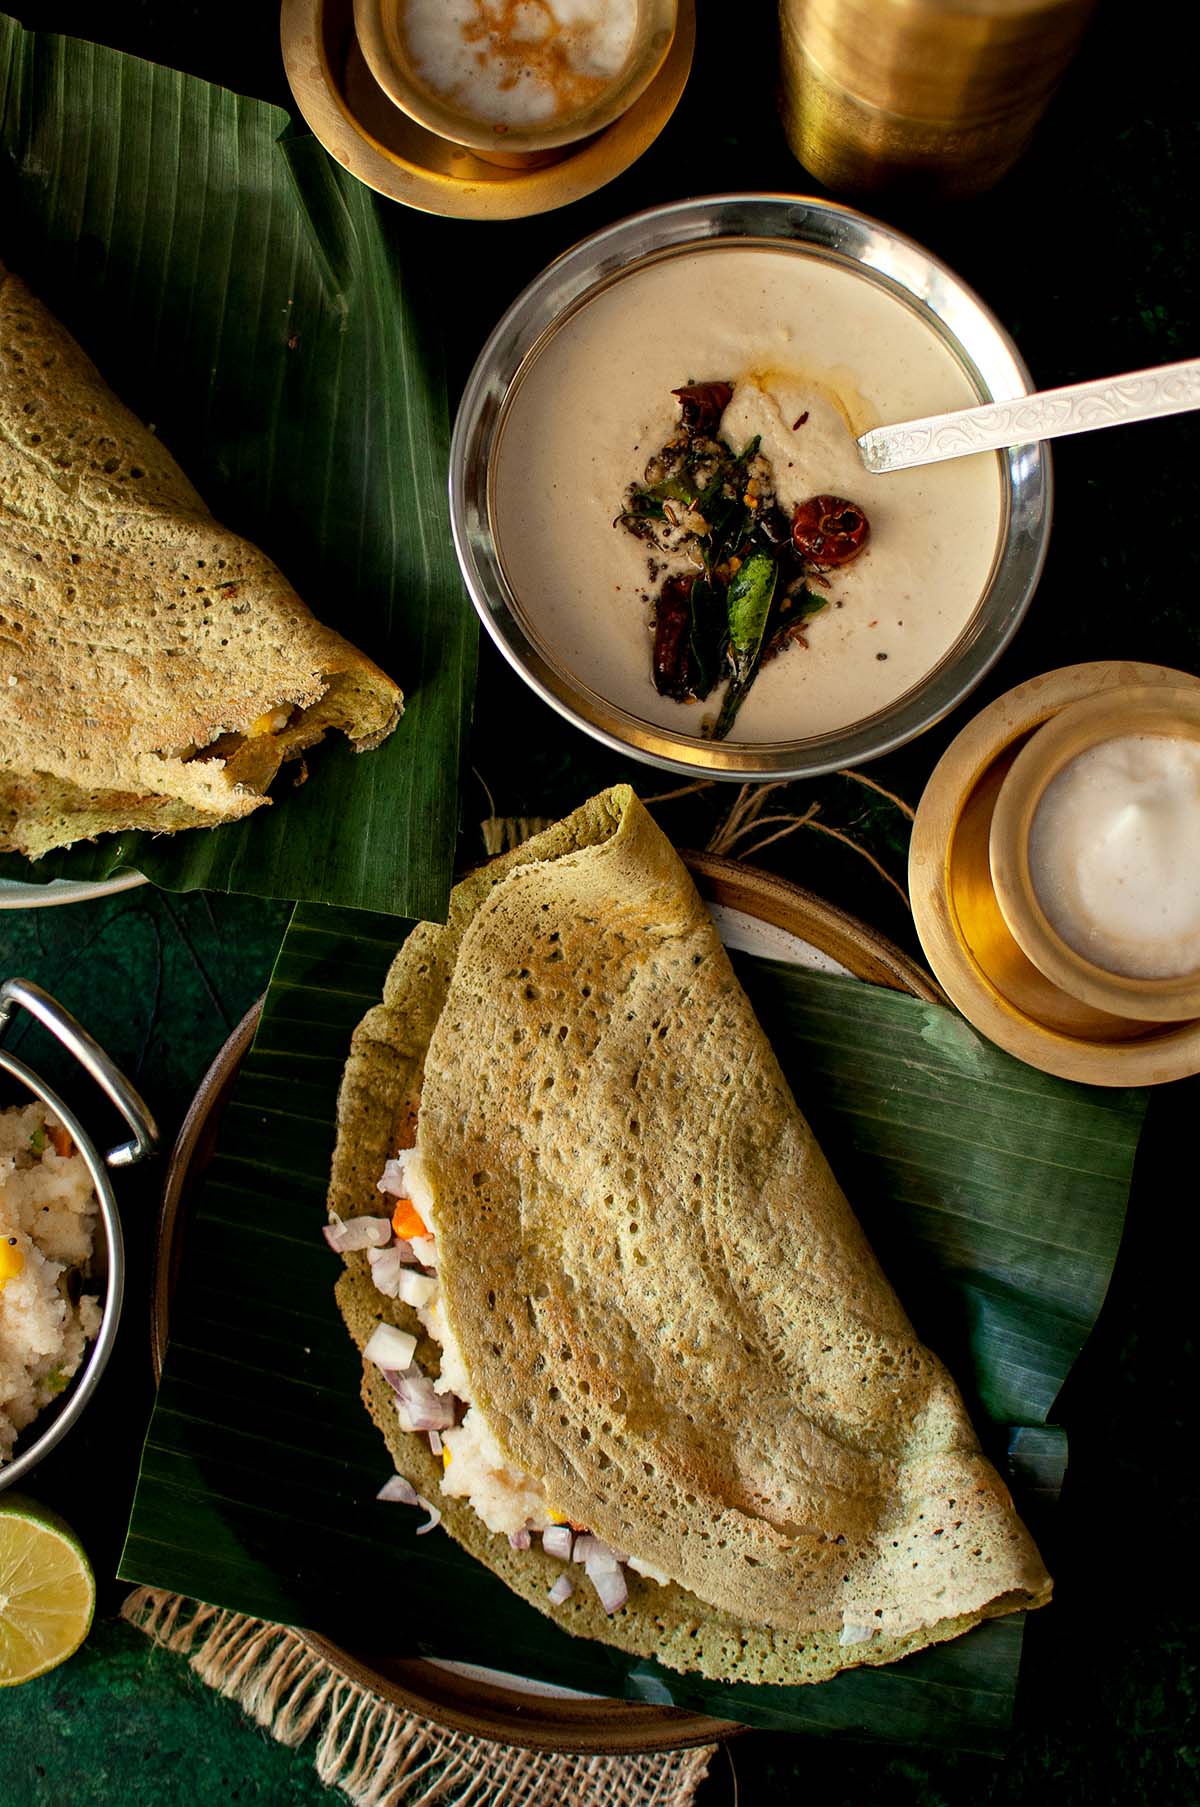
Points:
(832, 232)
(86, 1379)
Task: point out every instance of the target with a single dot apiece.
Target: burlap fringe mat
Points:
(380, 1755)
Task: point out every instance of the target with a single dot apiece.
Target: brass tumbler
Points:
(929, 99)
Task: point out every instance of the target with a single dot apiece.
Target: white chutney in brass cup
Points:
(825, 323)
(518, 86)
(974, 896)
(1094, 851)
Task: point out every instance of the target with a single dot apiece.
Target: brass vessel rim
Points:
(1079, 726)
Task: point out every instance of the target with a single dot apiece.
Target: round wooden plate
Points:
(465, 1699)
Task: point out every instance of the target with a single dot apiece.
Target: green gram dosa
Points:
(667, 1310)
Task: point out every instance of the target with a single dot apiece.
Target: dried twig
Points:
(747, 808)
(685, 790)
(486, 788)
(849, 842)
(858, 777)
(791, 823)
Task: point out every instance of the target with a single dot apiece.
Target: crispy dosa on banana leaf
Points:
(155, 669)
(668, 1313)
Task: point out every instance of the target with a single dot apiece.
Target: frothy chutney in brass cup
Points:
(522, 62)
(1095, 852)
(515, 79)
(1114, 855)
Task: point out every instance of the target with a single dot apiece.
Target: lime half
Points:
(47, 1591)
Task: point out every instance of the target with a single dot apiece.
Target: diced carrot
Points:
(61, 1138)
(407, 1220)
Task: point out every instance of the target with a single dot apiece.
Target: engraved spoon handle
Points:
(1050, 414)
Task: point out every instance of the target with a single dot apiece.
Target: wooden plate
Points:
(360, 126)
(464, 1699)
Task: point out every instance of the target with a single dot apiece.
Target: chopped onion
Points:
(392, 1179)
(415, 1289)
(400, 1490)
(608, 1579)
(387, 1265)
(520, 1540)
(390, 1348)
(424, 1250)
(557, 1540)
(585, 1543)
(352, 1233)
(856, 1634)
(434, 1519)
(405, 1494)
(562, 1590)
(419, 1407)
(435, 1442)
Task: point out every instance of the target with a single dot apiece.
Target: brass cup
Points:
(378, 25)
(926, 97)
(1081, 725)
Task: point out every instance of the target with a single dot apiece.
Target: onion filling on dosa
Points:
(155, 669)
(666, 1311)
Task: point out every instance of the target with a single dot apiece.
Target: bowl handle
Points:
(91, 1056)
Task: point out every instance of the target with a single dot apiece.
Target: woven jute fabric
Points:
(380, 1755)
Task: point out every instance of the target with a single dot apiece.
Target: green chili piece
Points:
(748, 603)
(747, 607)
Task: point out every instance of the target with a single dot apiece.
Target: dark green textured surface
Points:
(1088, 252)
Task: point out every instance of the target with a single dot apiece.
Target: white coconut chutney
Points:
(1114, 855)
(797, 337)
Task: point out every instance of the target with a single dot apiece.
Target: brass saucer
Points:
(354, 119)
(965, 937)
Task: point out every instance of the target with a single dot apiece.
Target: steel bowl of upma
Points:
(61, 1250)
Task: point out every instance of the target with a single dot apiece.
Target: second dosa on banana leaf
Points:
(155, 669)
(658, 1298)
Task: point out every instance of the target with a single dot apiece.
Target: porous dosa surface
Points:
(667, 1308)
(133, 627)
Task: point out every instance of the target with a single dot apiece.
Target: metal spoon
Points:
(1050, 414)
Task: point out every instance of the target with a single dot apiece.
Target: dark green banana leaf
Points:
(250, 299)
(995, 1195)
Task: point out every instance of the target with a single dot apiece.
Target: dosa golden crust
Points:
(667, 1309)
(134, 629)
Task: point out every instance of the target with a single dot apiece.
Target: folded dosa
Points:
(155, 669)
(665, 1306)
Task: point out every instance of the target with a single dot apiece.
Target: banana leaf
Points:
(245, 295)
(995, 1195)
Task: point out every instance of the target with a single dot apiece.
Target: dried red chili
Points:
(672, 627)
(828, 530)
(702, 405)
